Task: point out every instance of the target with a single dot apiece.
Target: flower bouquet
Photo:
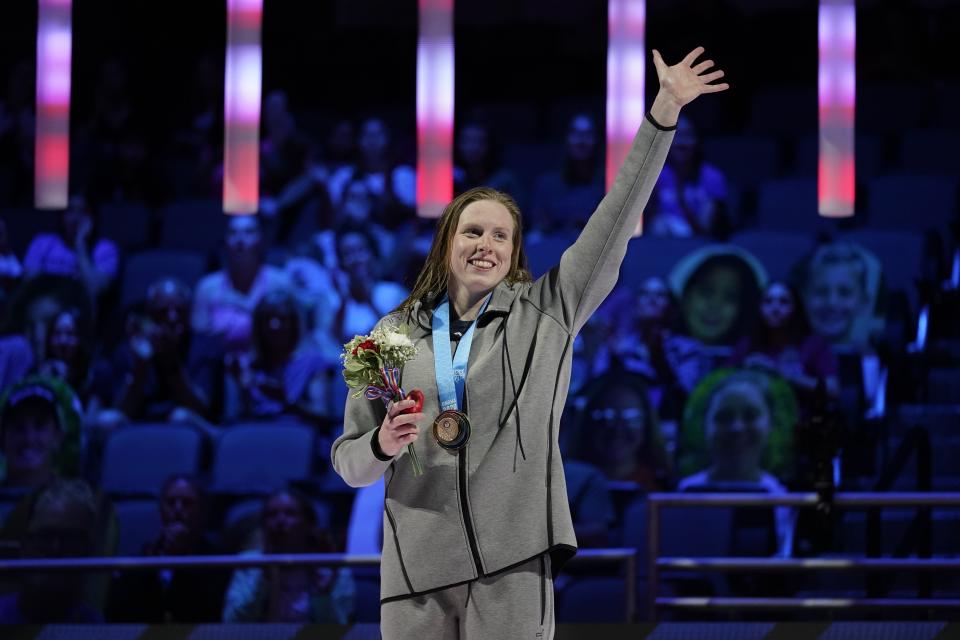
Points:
(371, 365)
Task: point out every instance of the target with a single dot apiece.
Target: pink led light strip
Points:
(626, 69)
(435, 73)
(52, 148)
(837, 98)
(242, 88)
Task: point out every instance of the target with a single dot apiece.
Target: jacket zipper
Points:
(471, 536)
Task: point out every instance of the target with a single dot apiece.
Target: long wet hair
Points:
(435, 274)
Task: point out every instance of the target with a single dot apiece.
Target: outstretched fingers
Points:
(710, 77)
(703, 66)
(693, 55)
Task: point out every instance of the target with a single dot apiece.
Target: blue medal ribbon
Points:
(451, 370)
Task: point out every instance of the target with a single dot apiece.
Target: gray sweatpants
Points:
(515, 604)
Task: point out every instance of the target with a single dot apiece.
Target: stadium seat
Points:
(141, 269)
(744, 160)
(137, 459)
(126, 223)
(789, 204)
(911, 201)
(779, 251)
(652, 256)
(139, 522)
(193, 225)
(262, 457)
(868, 152)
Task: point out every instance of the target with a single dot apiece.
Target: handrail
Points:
(808, 603)
(920, 534)
(626, 556)
(810, 564)
(806, 500)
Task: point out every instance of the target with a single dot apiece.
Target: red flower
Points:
(368, 345)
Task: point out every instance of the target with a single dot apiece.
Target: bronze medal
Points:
(451, 430)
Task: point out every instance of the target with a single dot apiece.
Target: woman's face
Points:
(653, 299)
(284, 522)
(356, 254)
(581, 139)
(482, 246)
(357, 203)
(64, 338)
(833, 298)
(711, 304)
(777, 306)
(30, 437)
(180, 503)
(618, 430)
(738, 422)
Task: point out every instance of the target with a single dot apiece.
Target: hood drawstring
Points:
(516, 396)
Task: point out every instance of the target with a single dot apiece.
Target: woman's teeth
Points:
(483, 264)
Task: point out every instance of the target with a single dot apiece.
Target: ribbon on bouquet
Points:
(391, 388)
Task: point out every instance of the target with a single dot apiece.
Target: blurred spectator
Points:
(690, 196)
(354, 213)
(741, 414)
(63, 523)
(39, 432)
(311, 594)
(591, 505)
(672, 363)
(16, 359)
(68, 357)
(225, 299)
(169, 371)
(10, 268)
(785, 345)
(618, 432)
(719, 291)
(32, 306)
(75, 250)
(563, 200)
(477, 161)
(173, 595)
(293, 183)
(281, 377)
(364, 296)
(392, 184)
(841, 284)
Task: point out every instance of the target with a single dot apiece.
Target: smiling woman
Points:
(493, 358)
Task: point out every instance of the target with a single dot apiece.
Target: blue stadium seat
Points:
(911, 201)
(544, 253)
(141, 269)
(931, 151)
(138, 458)
(139, 522)
(745, 160)
(126, 223)
(194, 225)
(788, 204)
(653, 256)
(262, 457)
(779, 251)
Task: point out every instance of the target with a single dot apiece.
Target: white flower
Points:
(397, 339)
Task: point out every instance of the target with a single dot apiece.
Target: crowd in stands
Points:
(695, 374)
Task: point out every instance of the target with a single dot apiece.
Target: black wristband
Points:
(657, 124)
(375, 447)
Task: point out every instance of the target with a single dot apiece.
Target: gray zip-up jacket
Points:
(502, 499)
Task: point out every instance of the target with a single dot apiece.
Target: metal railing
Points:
(626, 557)
(723, 564)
